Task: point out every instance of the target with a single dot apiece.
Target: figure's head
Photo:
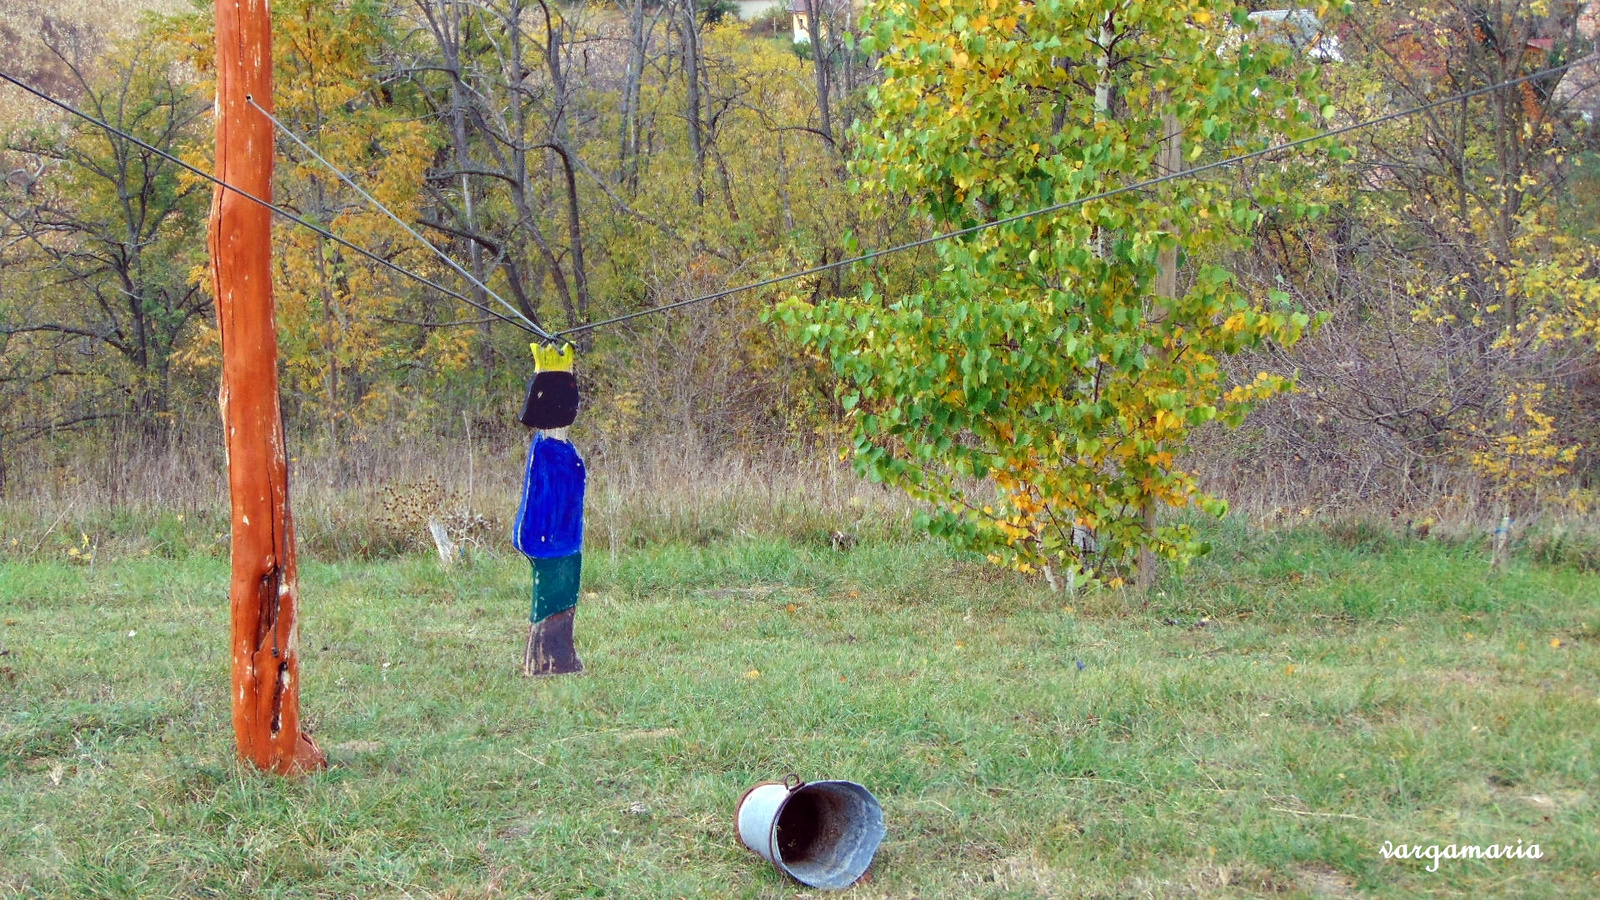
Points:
(553, 393)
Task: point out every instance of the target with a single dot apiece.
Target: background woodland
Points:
(592, 159)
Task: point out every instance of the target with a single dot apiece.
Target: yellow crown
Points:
(550, 358)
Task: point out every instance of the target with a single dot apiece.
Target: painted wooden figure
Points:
(549, 525)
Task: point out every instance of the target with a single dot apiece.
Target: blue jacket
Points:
(550, 521)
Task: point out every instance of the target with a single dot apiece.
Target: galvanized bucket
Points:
(821, 834)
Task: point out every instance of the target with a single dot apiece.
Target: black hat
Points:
(552, 400)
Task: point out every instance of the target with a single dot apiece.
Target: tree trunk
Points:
(689, 30)
(554, 48)
(580, 270)
(819, 60)
(1169, 160)
(1102, 105)
(628, 152)
(263, 594)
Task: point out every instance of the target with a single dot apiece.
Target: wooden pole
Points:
(1169, 161)
(263, 593)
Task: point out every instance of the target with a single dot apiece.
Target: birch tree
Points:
(1039, 391)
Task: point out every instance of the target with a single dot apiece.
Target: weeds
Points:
(641, 497)
(1565, 547)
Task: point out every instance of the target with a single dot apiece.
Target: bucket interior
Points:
(827, 833)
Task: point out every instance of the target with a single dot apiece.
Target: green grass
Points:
(1258, 728)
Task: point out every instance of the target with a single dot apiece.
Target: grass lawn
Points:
(1259, 728)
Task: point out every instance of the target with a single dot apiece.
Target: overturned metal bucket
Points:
(821, 834)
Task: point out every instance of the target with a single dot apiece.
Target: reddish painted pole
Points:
(263, 592)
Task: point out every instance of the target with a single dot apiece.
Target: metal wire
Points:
(791, 276)
(532, 325)
(393, 267)
(1069, 204)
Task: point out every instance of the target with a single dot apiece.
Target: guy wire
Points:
(814, 270)
(397, 220)
(393, 267)
(1069, 204)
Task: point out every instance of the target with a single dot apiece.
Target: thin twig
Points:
(1095, 780)
(1302, 812)
(52, 527)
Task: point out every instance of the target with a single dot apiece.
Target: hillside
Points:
(41, 39)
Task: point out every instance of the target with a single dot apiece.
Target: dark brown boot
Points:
(550, 647)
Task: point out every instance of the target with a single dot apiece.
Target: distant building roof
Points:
(1301, 30)
(822, 6)
(1580, 87)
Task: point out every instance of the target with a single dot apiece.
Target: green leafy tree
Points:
(104, 233)
(352, 328)
(1040, 390)
(353, 334)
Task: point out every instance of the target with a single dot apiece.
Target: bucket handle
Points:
(794, 783)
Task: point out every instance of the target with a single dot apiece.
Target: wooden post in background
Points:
(263, 593)
(1168, 161)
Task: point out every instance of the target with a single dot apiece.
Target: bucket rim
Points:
(825, 878)
(791, 781)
